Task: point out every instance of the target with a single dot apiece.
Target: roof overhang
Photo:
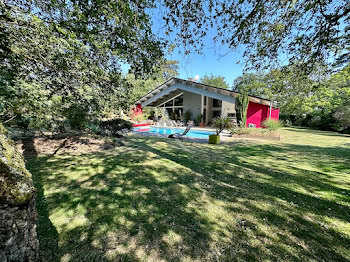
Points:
(170, 86)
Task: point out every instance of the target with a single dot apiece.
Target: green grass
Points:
(159, 199)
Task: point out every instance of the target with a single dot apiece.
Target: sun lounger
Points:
(180, 136)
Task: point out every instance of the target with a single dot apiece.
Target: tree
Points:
(254, 84)
(61, 59)
(217, 81)
(141, 86)
(342, 115)
(291, 89)
(241, 106)
(304, 31)
(113, 31)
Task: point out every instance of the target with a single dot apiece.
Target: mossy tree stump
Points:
(18, 237)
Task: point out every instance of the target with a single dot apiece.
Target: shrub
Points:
(241, 130)
(221, 123)
(77, 117)
(115, 127)
(95, 128)
(199, 119)
(286, 123)
(255, 132)
(174, 116)
(241, 106)
(342, 116)
(288, 120)
(187, 115)
(271, 124)
(139, 117)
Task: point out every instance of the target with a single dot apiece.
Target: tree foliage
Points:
(306, 31)
(254, 84)
(241, 106)
(342, 115)
(318, 100)
(217, 81)
(141, 86)
(221, 123)
(60, 60)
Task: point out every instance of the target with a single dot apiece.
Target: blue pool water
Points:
(170, 130)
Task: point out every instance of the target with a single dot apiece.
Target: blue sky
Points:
(212, 61)
(216, 59)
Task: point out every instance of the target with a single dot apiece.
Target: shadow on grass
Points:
(160, 199)
(47, 233)
(300, 129)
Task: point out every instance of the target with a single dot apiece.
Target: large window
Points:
(216, 102)
(169, 103)
(176, 102)
(179, 101)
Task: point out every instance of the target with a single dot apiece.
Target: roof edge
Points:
(198, 83)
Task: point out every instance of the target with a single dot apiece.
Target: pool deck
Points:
(224, 136)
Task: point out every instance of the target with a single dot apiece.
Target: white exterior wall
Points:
(209, 114)
(192, 102)
(227, 108)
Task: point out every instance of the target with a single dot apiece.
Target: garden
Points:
(86, 188)
(150, 199)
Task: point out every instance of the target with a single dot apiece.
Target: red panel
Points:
(275, 113)
(136, 125)
(257, 113)
(136, 111)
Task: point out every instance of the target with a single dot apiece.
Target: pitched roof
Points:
(222, 91)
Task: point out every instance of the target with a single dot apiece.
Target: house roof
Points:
(222, 91)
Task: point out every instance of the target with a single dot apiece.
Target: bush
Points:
(95, 128)
(187, 116)
(271, 124)
(199, 119)
(342, 116)
(255, 132)
(77, 117)
(241, 131)
(221, 123)
(241, 106)
(286, 123)
(139, 117)
(114, 127)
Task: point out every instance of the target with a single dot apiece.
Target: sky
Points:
(216, 59)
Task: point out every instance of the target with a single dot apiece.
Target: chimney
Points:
(195, 79)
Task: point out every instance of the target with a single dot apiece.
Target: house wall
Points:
(227, 108)
(192, 102)
(257, 113)
(275, 113)
(209, 112)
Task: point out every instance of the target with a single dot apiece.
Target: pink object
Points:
(137, 110)
(257, 113)
(145, 124)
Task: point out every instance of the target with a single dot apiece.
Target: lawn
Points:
(157, 199)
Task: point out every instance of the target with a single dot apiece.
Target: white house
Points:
(179, 95)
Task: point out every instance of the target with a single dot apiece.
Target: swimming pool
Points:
(170, 130)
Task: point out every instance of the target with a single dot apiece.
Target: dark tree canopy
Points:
(113, 31)
(305, 31)
(60, 60)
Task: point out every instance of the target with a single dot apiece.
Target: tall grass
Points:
(271, 124)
